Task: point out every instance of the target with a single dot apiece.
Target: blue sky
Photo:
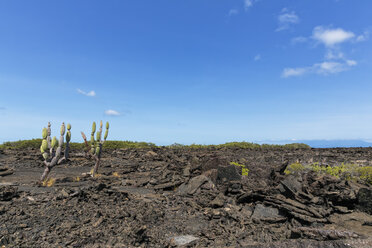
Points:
(197, 71)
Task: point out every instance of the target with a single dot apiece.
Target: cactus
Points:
(95, 148)
(52, 157)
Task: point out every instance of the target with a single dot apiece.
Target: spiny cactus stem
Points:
(87, 147)
(48, 137)
(51, 152)
(67, 149)
(65, 157)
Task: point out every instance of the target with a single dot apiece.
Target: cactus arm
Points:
(92, 140)
(60, 143)
(87, 146)
(68, 138)
(106, 132)
(85, 140)
(49, 132)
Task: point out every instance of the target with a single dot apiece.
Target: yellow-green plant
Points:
(95, 148)
(346, 171)
(293, 168)
(365, 173)
(245, 170)
(51, 148)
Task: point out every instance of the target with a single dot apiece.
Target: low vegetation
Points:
(245, 170)
(108, 145)
(244, 145)
(116, 144)
(345, 171)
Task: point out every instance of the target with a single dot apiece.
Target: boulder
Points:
(269, 214)
(183, 240)
(193, 185)
(364, 199)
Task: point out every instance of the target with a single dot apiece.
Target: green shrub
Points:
(346, 171)
(245, 170)
(293, 168)
(365, 174)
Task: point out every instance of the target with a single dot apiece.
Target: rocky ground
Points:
(166, 197)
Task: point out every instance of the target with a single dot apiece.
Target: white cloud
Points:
(286, 19)
(335, 60)
(329, 67)
(112, 112)
(351, 62)
(324, 68)
(289, 72)
(233, 12)
(90, 93)
(331, 37)
(257, 57)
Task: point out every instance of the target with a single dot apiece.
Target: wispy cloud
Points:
(334, 55)
(90, 93)
(112, 112)
(331, 37)
(324, 68)
(299, 39)
(362, 37)
(331, 67)
(286, 19)
(233, 12)
(248, 3)
(290, 72)
(257, 57)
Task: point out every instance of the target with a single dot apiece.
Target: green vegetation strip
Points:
(35, 143)
(244, 145)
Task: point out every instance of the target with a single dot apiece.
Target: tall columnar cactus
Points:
(95, 148)
(51, 148)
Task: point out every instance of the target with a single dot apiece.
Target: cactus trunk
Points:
(98, 160)
(45, 174)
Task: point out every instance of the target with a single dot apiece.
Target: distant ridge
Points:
(324, 143)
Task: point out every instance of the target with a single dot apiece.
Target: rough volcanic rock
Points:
(364, 198)
(165, 197)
